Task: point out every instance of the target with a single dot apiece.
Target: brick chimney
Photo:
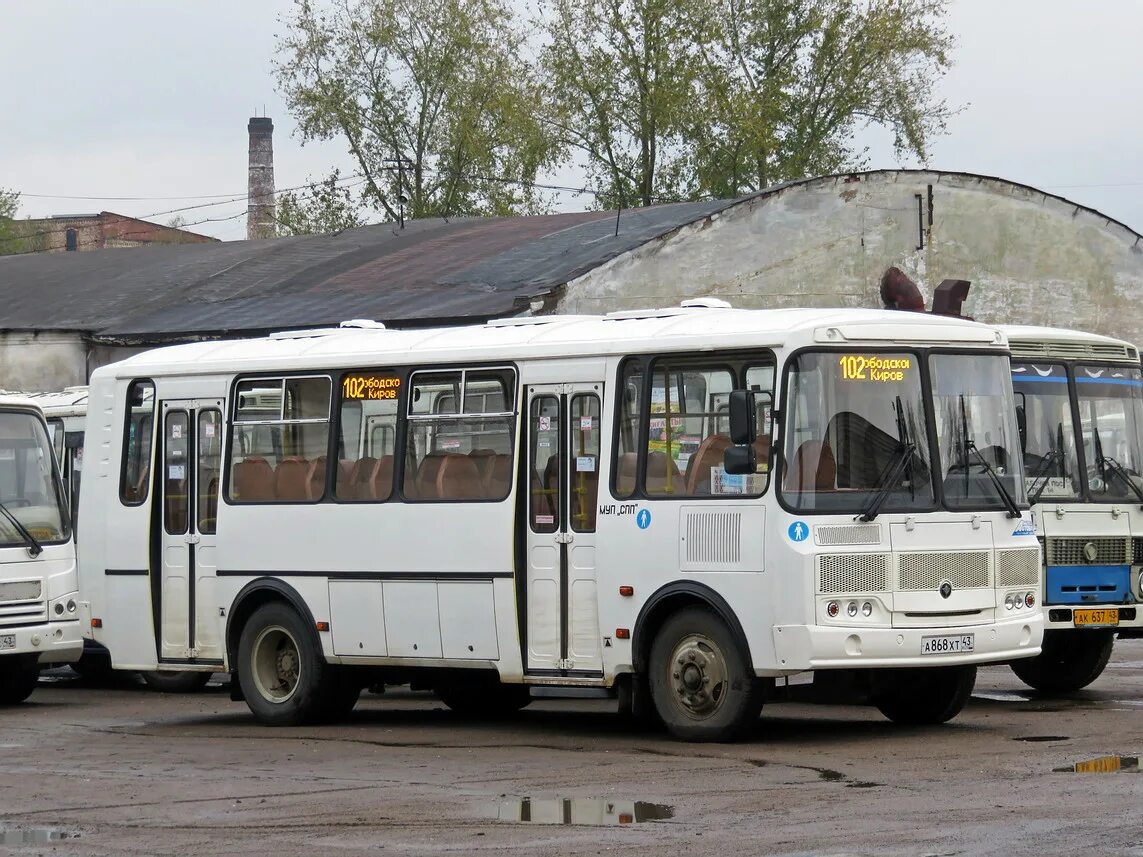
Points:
(260, 207)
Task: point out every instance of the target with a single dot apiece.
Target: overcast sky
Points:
(150, 98)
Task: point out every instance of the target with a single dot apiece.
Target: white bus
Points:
(39, 614)
(568, 505)
(1079, 401)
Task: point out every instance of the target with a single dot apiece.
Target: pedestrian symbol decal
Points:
(643, 519)
(799, 531)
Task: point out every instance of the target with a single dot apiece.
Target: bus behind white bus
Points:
(39, 615)
(685, 508)
(1079, 401)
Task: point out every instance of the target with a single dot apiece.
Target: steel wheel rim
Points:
(276, 664)
(698, 676)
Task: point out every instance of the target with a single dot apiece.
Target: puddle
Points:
(1102, 765)
(595, 812)
(1039, 738)
(34, 836)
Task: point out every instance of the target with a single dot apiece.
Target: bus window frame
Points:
(332, 459)
(149, 482)
(738, 362)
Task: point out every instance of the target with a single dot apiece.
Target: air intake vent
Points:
(964, 570)
(1071, 551)
(1017, 567)
(1076, 351)
(853, 572)
(20, 590)
(712, 539)
(848, 534)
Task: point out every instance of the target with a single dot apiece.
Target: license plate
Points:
(7, 641)
(948, 645)
(1106, 616)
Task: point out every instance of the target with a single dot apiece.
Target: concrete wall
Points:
(46, 362)
(1031, 258)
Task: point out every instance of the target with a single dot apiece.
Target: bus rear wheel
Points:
(176, 682)
(283, 675)
(18, 678)
(1068, 660)
(701, 681)
(925, 696)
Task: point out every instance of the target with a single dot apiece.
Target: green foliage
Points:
(691, 98)
(324, 208)
(16, 236)
(436, 87)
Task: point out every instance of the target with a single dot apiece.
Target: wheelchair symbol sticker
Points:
(643, 519)
(799, 531)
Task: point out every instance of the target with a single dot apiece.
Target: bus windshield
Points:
(1111, 413)
(980, 462)
(1047, 436)
(29, 485)
(856, 430)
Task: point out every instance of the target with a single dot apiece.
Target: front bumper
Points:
(54, 642)
(812, 647)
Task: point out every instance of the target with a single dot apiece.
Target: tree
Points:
(15, 236)
(692, 98)
(787, 83)
(429, 92)
(326, 207)
(619, 81)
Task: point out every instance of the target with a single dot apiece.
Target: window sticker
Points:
(176, 471)
(585, 464)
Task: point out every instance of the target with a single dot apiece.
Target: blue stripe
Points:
(1127, 382)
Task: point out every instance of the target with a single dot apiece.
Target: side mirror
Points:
(740, 459)
(743, 429)
(1022, 427)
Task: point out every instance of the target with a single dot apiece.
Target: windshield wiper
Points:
(890, 477)
(1041, 470)
(34, 547)
(970, 446)
(1109, 463)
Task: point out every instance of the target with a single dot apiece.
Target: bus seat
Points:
(484, 459)
(292, 479)
(140, 486)
(315, 479)
(708, 455)
(207, 499)
(425, 483)
(663, 475)
(812, 468)
(459, 479)
(378, 484)
(625, 474)
(498, 480)
(356, 482)
(253, 479)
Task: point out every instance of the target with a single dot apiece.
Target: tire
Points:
(17, 681)
(343, 695)
(94, 667)
(702, 684)
(925, 696)
(176, 682)
(484, 699)
(1069, 660)
(281, 670)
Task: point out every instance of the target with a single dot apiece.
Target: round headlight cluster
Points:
(1019, 600)
(833, 609)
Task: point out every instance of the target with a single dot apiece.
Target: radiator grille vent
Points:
(1071, 551)
(1137, 551)
(1017, 568)
(964, 570)
(854, 572)
(849, 534)
(714, 538)
(20, 590)
(1075, 350)
(21, 603)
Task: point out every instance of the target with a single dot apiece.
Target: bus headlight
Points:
(852, 609)
(1030, 599)
(1009, 601)
(866, 609)
(832, 609)
(63, 609)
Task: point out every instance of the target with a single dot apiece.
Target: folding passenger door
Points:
(563, 457)
(191, 455)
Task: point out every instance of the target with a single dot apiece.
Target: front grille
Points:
(848, 534)
(853, 572)
(1075, 351)
(1017, 567)
(1137, 551)
(21, 603)
(963, 569)
(1070, 551)
(20, 590)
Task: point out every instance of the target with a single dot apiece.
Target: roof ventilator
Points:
(363, 323)
(705, 303)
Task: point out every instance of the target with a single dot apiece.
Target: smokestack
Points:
(260, 206)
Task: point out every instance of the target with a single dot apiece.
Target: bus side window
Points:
(134, 479)
(367, 426)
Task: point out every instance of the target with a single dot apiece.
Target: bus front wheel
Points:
(924, 696)
(1068, 660)
(18, 678)
(281, 670)
(700, 679)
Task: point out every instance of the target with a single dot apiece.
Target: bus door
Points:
(191, 455)
(563, 452)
